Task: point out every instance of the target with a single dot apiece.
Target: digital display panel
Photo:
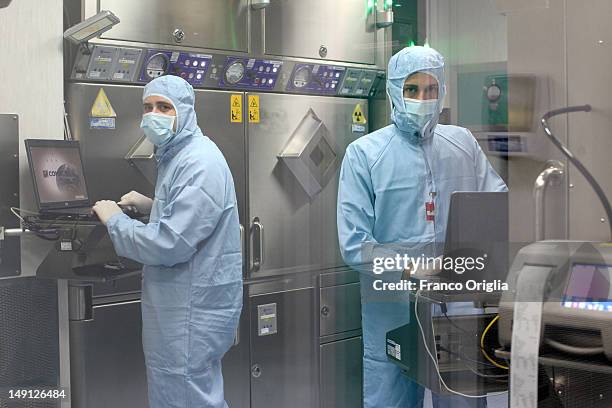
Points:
(589, 288)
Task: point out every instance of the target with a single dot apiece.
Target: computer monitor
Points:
(478, 227)
(57, 173)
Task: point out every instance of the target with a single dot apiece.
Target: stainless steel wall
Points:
(543, 29)
(32, 88)
(341, 31)
(589, 74)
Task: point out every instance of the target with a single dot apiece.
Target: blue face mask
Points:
(420, 112)
(157, 127)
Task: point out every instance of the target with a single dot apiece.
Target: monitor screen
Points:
(589, 288)
(58, 174)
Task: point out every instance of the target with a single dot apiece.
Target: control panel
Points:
(316, 79)
(250, 73)
(111, 63)
(357, 82)
(139, 65)
(191, 67)
(267, 322)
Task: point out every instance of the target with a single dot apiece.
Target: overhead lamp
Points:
(91, 27)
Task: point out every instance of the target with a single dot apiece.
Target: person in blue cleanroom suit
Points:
(190, 248)
(387, 179)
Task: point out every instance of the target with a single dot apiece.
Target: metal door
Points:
(10, 249)
(284, 360)
(216, 24)
(287, 199)
(341, 373)
(213, 110)
(106, 359)
(108, 174)
(340, 30)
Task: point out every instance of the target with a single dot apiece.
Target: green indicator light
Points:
(411, 44)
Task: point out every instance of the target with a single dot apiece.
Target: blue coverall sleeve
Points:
(189, 216)
(355, 210)
(487, 177)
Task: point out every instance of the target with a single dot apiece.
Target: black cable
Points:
(574, 160)
(463, 358)
(459, 328)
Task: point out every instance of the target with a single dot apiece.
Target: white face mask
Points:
(157, 127)
(419, 111)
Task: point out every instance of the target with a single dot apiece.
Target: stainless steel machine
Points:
(282, 96)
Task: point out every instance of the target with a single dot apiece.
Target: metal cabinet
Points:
(215, 24)
(283, 357)
(341, 346)
(106, 360)
(104, 151)
(299, 222)
(340, 30)
(340, 309)
(236, 364)
(341, 373)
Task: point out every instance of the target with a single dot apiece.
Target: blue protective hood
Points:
(403, 64)
(182, 96)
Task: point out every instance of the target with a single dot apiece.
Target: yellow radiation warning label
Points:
(253, 108)
(236, 108)
(102, 107)
(358, 116)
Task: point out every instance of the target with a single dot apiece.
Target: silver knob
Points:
(323, 51)
(325, 311)
(178, 34)
(256, 371)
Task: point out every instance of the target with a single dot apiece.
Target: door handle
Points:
(258, 245)
(551, 175)
(242, 240)
(80, 302)
(237, 336)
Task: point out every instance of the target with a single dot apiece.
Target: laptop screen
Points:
(57, 173)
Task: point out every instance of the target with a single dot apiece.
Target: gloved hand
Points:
(142, 203)
(106, 209)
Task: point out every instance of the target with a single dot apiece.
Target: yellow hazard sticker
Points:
(102, 107)
(236, 108)
(253, 108)
(358, 116)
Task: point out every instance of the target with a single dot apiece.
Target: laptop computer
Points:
(59, 179)
(477, 228)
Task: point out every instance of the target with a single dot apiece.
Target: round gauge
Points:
(493, 93)
(157, 65)
(234, 72)
(301, 77)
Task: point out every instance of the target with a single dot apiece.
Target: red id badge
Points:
(430, 211)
